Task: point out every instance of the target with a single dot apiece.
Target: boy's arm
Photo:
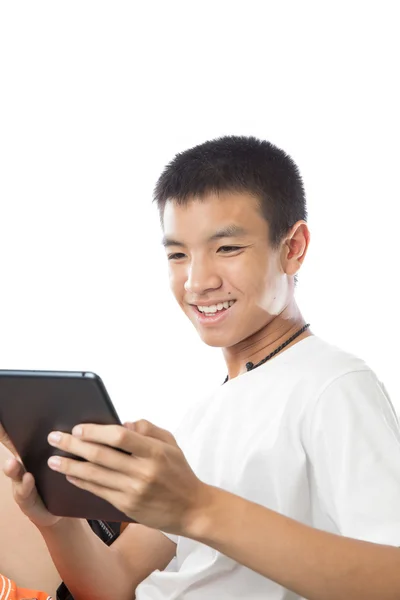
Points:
(314, 564)
(94, 571)
(23, 554)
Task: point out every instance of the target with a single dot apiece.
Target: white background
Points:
(96, 97)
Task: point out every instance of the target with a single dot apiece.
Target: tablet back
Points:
(33, 403)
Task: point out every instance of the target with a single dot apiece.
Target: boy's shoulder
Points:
(327, 360)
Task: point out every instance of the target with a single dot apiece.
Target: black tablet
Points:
(34, 403)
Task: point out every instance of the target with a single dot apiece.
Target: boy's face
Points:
(219, 252)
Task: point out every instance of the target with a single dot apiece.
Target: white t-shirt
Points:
(310, 434)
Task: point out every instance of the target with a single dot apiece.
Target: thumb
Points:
(148, 429)
(5, 440)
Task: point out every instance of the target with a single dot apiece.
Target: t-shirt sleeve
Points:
(354, 449)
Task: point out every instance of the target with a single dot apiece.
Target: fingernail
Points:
(77, 431)
(54, 462)
(8, 463)
(55, 436)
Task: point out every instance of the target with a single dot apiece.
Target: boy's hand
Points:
(26, 494)
(5, 440)
(24, 489)
(152, 482)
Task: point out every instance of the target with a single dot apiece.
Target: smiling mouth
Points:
(215, 308)
(214, 311)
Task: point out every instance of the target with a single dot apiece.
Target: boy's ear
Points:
(295, 247)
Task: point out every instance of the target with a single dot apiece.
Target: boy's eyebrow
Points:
(226, 232)
(229, 231)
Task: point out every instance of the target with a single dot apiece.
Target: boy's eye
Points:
(176, 256)
(227, 249)
(222, 250)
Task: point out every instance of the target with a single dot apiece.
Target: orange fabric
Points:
(10, 591)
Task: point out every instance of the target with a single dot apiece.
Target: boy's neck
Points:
(266, 340)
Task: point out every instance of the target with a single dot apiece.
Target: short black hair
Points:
(239, 164)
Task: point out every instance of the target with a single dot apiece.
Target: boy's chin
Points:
(215, 340)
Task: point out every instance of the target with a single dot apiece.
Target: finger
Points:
(89, 473)
(118, 436)
(2, 432)
(13, 469)
(23, 488)
(94, 453)
(5, 440)
(114, 497)
(150, 430)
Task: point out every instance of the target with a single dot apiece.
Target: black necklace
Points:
(250, 366)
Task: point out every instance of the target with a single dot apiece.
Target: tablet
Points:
(34, 403)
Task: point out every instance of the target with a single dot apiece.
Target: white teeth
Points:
(215, 307)
(210, 309)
